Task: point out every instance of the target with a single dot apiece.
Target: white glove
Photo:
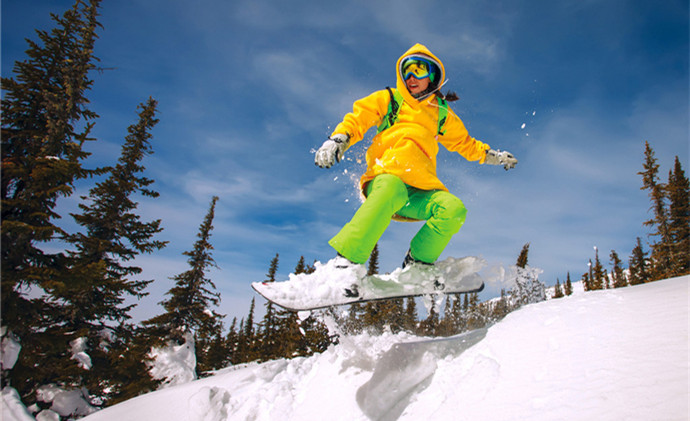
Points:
(499, 157)
(332, 150)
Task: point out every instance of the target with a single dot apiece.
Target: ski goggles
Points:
(417, 67)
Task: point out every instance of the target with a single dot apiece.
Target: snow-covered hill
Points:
(608, 355)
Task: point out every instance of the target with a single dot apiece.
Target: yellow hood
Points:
(418, 50)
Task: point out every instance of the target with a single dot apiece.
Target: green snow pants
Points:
(387, 196)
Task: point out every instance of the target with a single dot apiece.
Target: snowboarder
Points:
(400, 181)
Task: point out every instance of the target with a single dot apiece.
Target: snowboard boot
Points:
(409, 260)
(410, 263)
(342, 262)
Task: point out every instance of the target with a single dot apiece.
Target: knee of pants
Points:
(388, 189)
(452, 210)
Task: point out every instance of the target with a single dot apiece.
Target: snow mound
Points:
(604, 355)
(174, 364)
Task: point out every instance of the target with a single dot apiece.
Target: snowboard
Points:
(331, 285)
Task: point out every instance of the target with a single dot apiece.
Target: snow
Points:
(64, 402)
(618, 354)
(9, 350)
(325, 285)
(78, 348)
(12, 407)
(174, 364)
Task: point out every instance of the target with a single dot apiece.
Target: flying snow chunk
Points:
(523, 125)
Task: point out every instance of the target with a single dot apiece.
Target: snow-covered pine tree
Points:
(678, 192)
(528, 288)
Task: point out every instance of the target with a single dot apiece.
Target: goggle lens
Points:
(417, 68)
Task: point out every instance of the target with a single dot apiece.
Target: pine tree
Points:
(678, 192)
(429, 326)
(410, 315)
(270, 326)
(189, 306)
(503, 306)
(617, 275)
(128, 358)
(45, 122)
(661, 250)
(231, 341)
(289, 338)
(598, 274)
(446, 322)
(211, 349)
(373, 266)
(586, 279)
(522, 258)
(379, 315)
(371, 317)
(568, 289)
(246, 342)
(95, 282)
(558, 292)
(353, 321)
(639, 265)
(475, 318)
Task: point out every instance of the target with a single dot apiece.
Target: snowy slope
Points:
(607, 355)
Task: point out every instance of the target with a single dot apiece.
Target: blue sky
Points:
(248, 89)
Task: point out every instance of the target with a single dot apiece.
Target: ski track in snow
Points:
(608, 355)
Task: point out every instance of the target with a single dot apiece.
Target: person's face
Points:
(416, 86)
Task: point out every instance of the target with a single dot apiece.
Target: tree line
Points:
(62, 291)
(669, 237)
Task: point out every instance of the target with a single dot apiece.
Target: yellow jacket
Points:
(408, 149)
